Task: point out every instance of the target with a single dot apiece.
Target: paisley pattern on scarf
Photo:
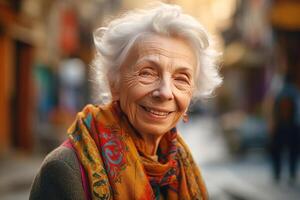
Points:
(113, 156)
(113, 150)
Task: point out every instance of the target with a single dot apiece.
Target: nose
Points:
(164, 90)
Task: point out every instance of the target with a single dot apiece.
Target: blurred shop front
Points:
(46, 47)
(16, 54)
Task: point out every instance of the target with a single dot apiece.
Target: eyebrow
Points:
(187, 70)
(154, 59)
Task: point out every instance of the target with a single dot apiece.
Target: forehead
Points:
(159, 47)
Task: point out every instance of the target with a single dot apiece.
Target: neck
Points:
(151, 143)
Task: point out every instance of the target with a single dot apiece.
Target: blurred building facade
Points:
(16, 53)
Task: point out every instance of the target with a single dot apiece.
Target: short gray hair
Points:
(114, 42)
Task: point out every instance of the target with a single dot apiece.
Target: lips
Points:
(157, 112)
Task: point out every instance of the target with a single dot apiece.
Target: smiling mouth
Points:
(156, 112)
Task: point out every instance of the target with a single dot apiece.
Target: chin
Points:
(154, 130)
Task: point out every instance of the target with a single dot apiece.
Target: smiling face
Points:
(156, 83)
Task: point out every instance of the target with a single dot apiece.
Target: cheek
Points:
(131, 91)
(183, 100)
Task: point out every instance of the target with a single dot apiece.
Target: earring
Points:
(185, 118)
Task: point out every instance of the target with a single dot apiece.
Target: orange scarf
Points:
(117, 167)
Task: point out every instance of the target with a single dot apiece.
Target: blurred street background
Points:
(243, 138)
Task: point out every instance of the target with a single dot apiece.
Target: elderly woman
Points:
(151, 63)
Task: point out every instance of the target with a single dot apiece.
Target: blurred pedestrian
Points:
(285, 137)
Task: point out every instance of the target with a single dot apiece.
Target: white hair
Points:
(114, 42)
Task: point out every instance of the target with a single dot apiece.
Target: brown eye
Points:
(147, 73)
(182, 79)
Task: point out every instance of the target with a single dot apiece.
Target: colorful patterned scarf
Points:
(117, 167)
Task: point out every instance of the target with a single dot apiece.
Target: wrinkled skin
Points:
(156, 85)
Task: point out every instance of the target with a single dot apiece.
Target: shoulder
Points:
(62, 156)
(59, 177)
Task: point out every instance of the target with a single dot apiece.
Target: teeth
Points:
(155, 112)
